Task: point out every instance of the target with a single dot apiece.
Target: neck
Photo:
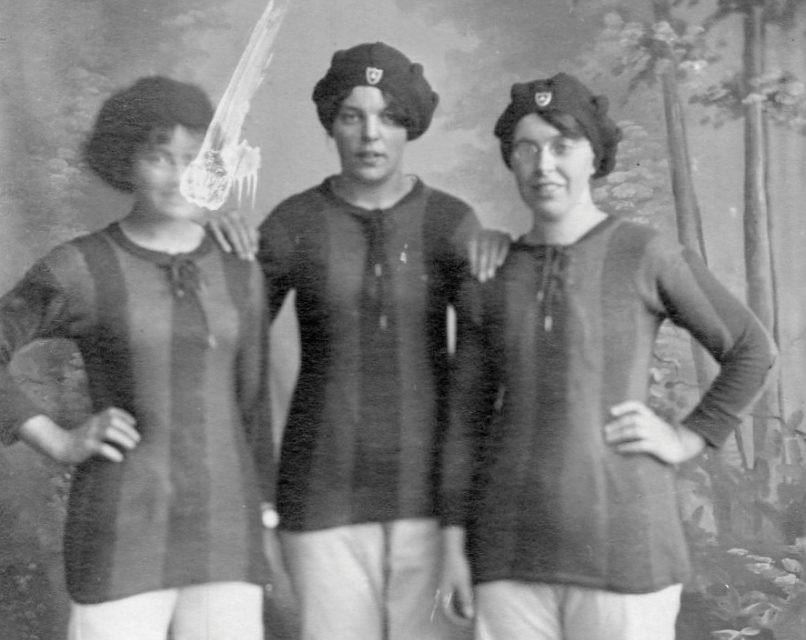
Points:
(373, 196)
(167, 236)
(565, 229)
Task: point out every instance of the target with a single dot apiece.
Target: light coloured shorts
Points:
(509, 610)
(373, 581)
(212, 611)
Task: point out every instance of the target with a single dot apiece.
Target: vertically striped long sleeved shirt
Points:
(562, 334)
(189, 363)
(372, 291)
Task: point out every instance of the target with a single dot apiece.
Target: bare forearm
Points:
(692, 443)
(45, 436)
(455, 592)
(453, 539)
(108, 434)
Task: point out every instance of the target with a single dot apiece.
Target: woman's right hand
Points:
(233, 234)
(109, 434)
(455, 593)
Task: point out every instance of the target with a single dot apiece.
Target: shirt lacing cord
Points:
(552, 265)
(185, 279)
(183, 276)
(375, 292)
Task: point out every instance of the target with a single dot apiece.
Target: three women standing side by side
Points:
(559, 474)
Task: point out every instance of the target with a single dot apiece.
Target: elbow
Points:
(773, 364)
(770, 356)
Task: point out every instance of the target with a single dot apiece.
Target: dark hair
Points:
(375, 64)
(562, 94)
(134, 116)
(329, 109)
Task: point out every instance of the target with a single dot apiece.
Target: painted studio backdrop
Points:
(710, 96)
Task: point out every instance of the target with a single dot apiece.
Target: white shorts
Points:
(212, 611)
(508, 609)
(373, 581)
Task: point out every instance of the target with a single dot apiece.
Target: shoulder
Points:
(242, 278)
(72, 256)
(442, 203)
(233, 265)
(639, 244)
(63, 271)
(448, 219)
(298, 208)
(635, 233)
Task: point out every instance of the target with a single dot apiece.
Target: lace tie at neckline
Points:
(553, 264)
(377, 283)
(184, 276)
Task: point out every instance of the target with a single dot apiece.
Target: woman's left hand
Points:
(233, 234)
(487, 251)
(635, 428)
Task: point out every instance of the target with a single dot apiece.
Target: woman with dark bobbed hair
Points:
(561, 477)
(163, 523)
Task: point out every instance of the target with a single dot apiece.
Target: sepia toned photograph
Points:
(402, 320)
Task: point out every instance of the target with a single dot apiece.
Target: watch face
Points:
(270, 518)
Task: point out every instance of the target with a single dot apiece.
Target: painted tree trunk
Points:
(689, 221)
(756, 225)
(687, 209)
(690, 234)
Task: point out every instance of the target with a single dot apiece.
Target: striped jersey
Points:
(372, 293)
(178, 341)
(562, 334)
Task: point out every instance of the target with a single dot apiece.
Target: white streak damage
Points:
(224, 159)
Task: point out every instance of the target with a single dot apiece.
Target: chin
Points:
(371, 178)
(547, 212)
(183, 213)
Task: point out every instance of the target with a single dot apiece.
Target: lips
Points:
(370, 156)
(546, 188)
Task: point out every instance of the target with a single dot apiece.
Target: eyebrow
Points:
(553, 138)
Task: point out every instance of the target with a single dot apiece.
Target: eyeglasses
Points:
(526, 150)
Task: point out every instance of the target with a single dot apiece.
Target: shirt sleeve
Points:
(695, 300)
(253, 386)
(276, 257)
(447, 235)
(472, 385)
(37, 307)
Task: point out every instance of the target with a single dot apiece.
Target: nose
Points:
(370, 129)
(177, 169)
(180, 166)
(544, 160)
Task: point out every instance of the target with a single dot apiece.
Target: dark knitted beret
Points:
(377, 65)
(563, 93)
